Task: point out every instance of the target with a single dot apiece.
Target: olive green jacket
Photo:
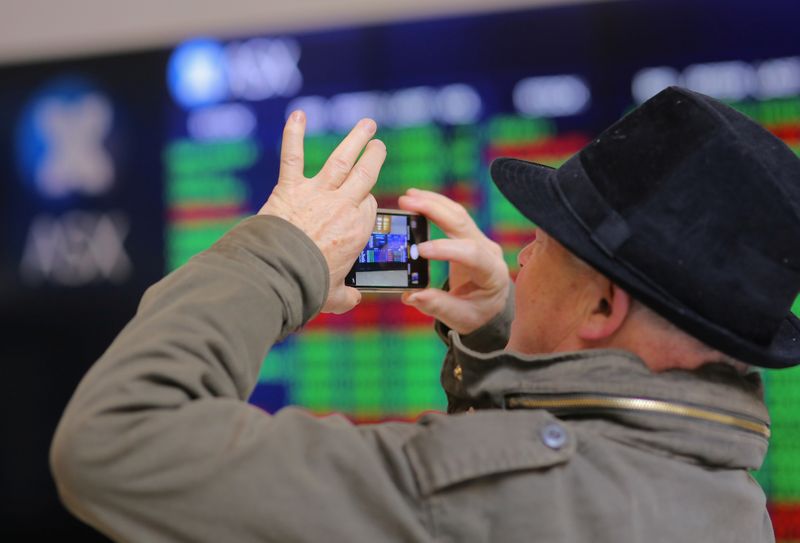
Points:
(158, 443)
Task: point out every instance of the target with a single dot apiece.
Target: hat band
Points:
(609, 231)
(607, 228)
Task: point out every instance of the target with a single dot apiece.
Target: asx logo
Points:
(61, 145)
(60, 140)
(204, 72)
(76, 249)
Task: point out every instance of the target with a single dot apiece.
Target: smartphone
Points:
(390, 262)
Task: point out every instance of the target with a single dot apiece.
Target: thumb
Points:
(341, 300)
(443, 306)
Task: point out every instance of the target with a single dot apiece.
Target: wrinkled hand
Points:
(334, 208)
(479, 278)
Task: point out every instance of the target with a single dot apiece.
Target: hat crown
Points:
(701, 202)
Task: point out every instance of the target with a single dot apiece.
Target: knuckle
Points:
(479, 253)
(463, 220)
(290, 160)
(362, 173)
(465, 250)
(428, 303)
(339, 165)
(421, 206)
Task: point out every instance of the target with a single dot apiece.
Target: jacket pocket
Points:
(458, 448)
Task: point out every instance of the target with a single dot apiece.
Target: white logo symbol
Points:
(76, 248)
(75, 160)
(261, 68)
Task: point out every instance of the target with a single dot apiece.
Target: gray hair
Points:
(668, 331)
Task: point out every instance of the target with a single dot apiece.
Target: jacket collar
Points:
(712, 415)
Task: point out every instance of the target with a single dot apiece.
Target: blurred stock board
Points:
(117, 170)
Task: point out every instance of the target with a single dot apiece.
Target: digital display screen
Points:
(391, 258)
(116, 170)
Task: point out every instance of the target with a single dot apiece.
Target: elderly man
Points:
(622, 408)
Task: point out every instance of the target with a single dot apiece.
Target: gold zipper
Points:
(637, 404)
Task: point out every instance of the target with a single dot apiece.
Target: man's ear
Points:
(607, 315)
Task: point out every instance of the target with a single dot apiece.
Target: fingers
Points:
(365, 173)
(291, 168)
(339, 164)
(341, 300)
(452, 311)
(448, 215)
(477, 258)
(369, 207)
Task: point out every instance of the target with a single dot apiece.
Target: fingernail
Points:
(298, 115)
(412, 191)
(412, 298)
(370, 126)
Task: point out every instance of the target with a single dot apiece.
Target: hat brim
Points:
(530, 187)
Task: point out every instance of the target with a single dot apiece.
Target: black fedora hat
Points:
(692, 208)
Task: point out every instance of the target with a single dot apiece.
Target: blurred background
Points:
(133, 135)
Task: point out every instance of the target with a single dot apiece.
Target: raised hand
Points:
(479, 278)
(334, 208)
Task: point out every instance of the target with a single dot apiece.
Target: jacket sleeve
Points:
(492, 336)
(158, 443)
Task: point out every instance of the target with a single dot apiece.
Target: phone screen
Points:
(390, 261)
